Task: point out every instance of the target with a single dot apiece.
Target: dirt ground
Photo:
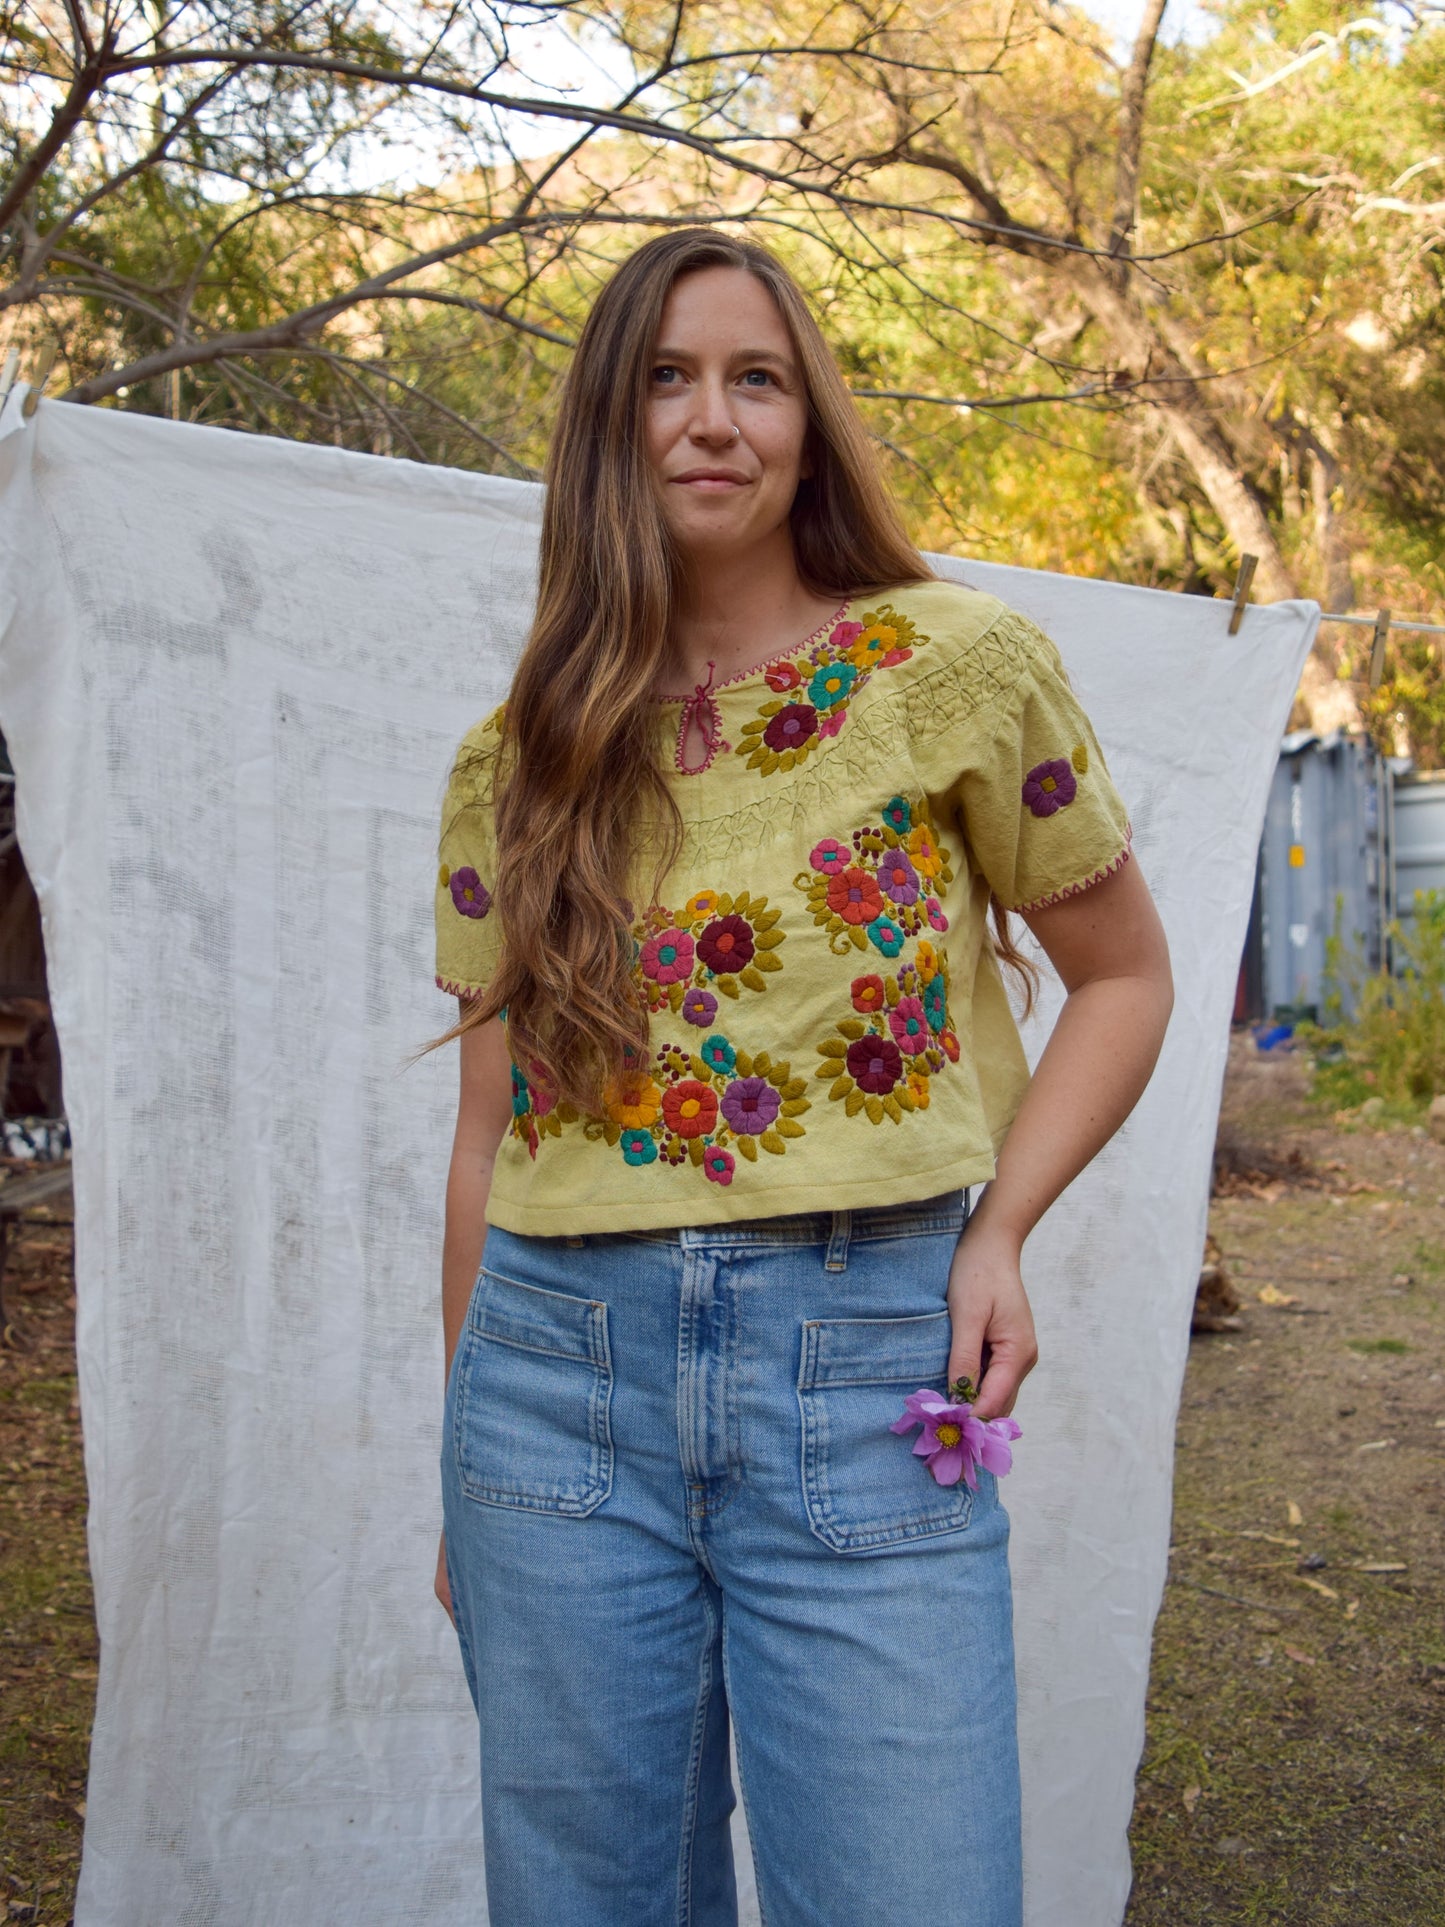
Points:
(1295, 1764)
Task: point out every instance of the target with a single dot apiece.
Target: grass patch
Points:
(1394, 1346)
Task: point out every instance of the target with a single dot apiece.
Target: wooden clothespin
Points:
(38, 380)
(7, 375)
(1247, 566)
(1377, 651)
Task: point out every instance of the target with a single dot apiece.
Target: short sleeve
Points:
(1039, 811)
(468, 935)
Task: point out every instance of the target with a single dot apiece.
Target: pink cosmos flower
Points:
(955, 1443)
(830, 856)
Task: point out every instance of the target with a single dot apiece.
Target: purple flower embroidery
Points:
(1050, 787)
(699, 1007)
(898, 877)
(791, 727)
(667, 957)
(954, 1442)
(469, 893)
(875, 1064)
(750, 1105)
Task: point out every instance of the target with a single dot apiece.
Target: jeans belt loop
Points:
(837, 1254)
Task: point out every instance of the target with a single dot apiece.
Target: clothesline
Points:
(1368, 622)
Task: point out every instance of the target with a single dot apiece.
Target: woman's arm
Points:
(1108, 947)
(484, 1110)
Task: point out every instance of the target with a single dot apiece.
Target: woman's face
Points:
(726, 414)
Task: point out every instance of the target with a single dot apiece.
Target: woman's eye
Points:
(759, 377)
(665, 375)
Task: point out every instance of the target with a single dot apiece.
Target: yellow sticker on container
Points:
(1296, 856)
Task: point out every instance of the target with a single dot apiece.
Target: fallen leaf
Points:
(1274, 1538)
(1301, 1659)
(1375, 1445)
(1191, 1797)
(1378, 1566)
(1296, 1517)
(1272, 1295)
(1352, 1609)
(1316, 1585)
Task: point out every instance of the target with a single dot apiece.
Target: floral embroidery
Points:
(881, 1062)
(705, 1107)
(667, 958)
(813, 690)
(470, 895)
(1050, 787)
(715, 944)
(718, 1164)
(708, 1110)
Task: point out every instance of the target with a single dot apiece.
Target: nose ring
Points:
(736, 430)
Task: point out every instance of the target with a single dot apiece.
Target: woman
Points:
(735, 1048)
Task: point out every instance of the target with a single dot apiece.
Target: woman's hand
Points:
(443, 1584)
(990, 1312)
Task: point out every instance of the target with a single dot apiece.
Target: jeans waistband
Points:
(948, 1212)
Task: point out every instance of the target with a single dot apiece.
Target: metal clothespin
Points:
(7, 375)
(1377, 651)
(38, 380)
(1247, 566)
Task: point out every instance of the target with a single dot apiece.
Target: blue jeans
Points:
(671, 1493)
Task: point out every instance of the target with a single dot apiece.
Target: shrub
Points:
(1391, 1044)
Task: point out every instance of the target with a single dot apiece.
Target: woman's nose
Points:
(712, 418)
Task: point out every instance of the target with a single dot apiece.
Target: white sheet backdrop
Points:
(232, 672)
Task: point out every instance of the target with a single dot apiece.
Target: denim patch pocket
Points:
(862, 1486)
(534, 1385)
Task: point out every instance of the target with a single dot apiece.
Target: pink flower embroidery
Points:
(936, 918)
(844, 635)
(667, 957)
(830, 856)
(718, 1164)
(830, 725)
(953, 1442)
(1050, 787)
(909, 1025)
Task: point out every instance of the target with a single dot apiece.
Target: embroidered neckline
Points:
(701, 706)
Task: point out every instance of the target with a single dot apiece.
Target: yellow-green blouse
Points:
(829, 1025)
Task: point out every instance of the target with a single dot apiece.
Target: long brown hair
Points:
(579, 791)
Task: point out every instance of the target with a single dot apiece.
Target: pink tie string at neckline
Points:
(701, 708)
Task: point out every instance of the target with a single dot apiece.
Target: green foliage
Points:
(1392, 1044)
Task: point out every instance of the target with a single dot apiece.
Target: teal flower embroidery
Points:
(898, 816)
(885, 935)
(638, 1147)
(831, 684)
(935, 1003)
(718, 1054)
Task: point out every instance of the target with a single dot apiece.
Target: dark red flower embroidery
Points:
(875, 1064)
(727, 945)
(791, 727)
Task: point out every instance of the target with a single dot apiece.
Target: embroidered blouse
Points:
(829, 1026)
